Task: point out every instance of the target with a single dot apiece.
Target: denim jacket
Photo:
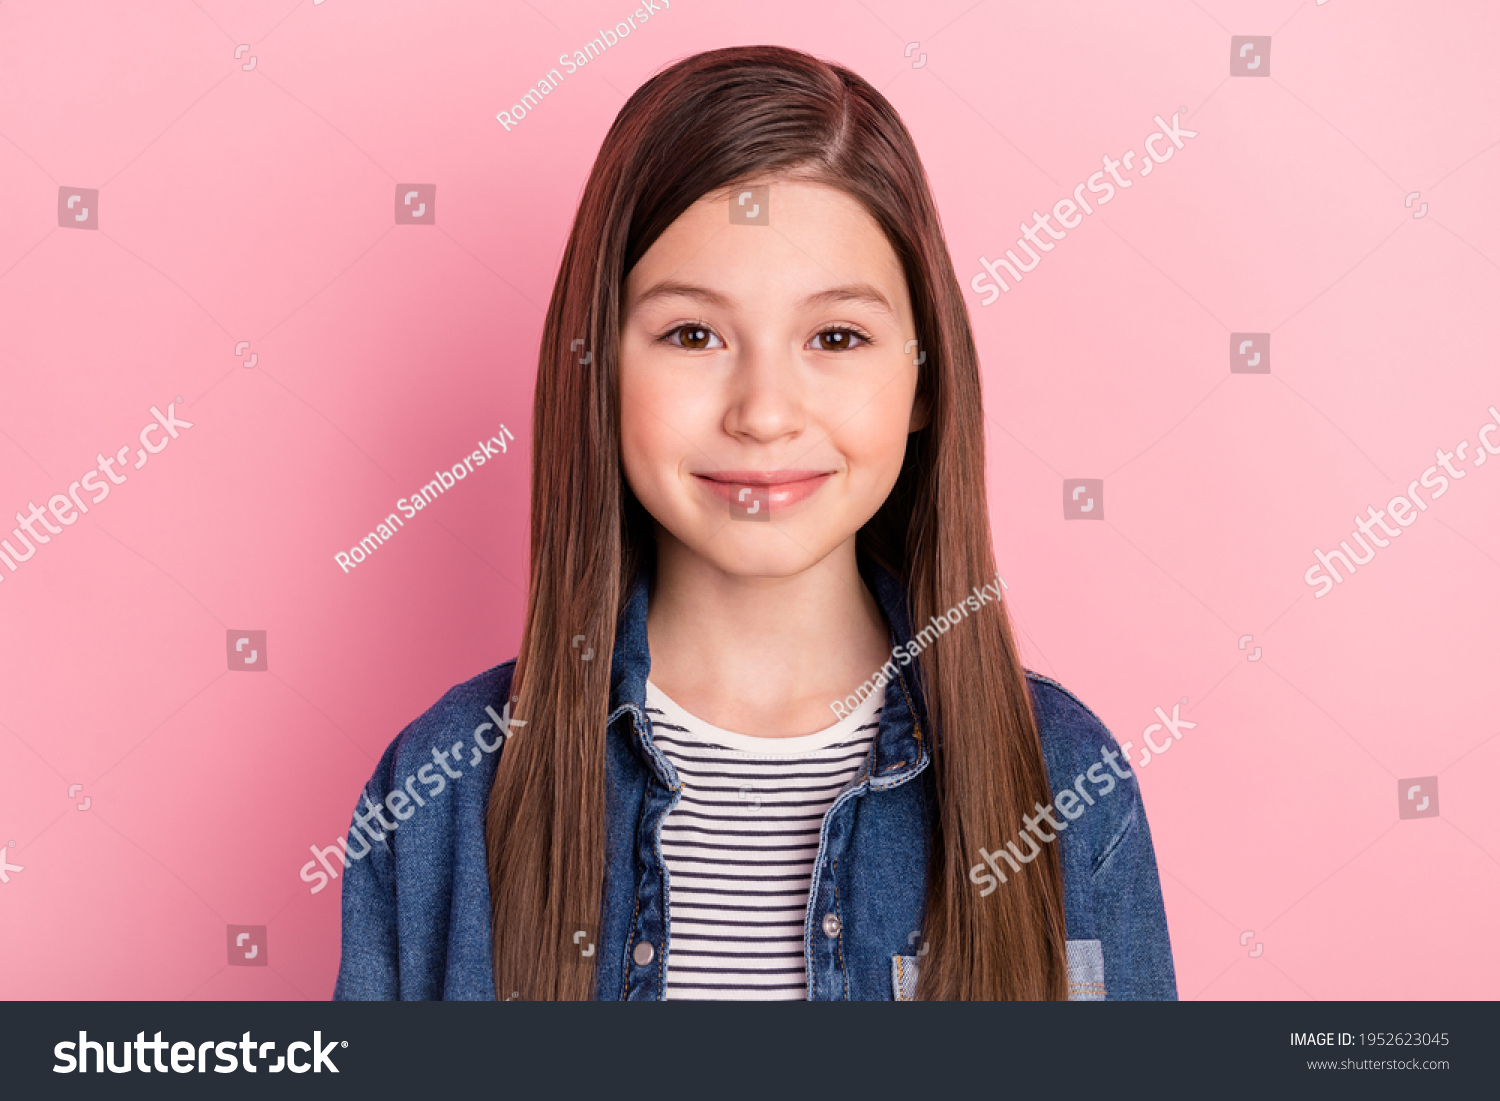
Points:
(416, 900)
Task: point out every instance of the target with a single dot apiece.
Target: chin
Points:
(764, 553)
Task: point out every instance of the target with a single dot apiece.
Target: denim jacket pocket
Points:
(1085, 971)
(904, 978)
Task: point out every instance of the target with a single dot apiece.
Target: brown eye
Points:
(837, 340)
(695, 338)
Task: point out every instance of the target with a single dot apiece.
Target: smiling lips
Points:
(780, 489)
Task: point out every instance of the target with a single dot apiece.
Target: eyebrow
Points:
(861, 293)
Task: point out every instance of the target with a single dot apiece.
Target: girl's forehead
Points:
(805, 233)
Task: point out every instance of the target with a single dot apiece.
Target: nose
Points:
(765, 394)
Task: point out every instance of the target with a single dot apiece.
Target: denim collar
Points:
(900, 749)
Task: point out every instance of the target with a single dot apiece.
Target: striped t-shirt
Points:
(740, 845)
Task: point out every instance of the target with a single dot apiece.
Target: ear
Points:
(921, 411)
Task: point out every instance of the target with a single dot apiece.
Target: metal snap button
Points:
(831, 924)
(644, 953)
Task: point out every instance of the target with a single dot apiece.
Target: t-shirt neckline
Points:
(699, 730)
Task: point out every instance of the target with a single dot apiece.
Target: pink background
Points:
(256, 205)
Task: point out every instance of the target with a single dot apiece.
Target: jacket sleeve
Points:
(370, 963)
(1130, 917)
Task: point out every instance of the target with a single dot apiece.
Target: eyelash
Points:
(852, 330)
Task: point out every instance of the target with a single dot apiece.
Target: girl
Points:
(768, 735)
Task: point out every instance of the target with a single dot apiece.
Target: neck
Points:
(762, 656)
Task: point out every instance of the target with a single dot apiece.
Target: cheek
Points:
(656, 428)
(640, 435)
(873, 425)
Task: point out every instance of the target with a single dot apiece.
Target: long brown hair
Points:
(705, 123)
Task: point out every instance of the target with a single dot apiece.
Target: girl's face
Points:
(766, 381)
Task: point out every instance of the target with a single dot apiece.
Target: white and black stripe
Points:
(740, 845)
